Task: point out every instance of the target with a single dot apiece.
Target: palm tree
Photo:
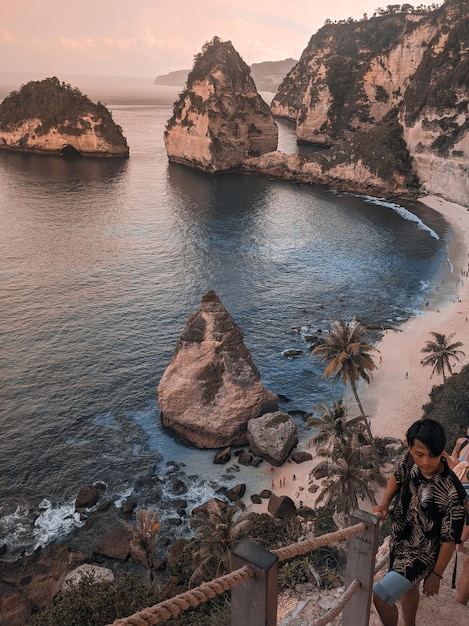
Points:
(332, 424)
(440, 351)
(348, 358)
(143, 542)
(216, 528)
(350, 472)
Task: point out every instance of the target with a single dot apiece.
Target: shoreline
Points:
(401, 385)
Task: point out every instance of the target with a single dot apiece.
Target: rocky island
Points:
(219, 119)
(51, 118)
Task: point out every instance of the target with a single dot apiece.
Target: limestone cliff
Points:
(219, 119)
(390, 94)
(49, 117)
(211, 388)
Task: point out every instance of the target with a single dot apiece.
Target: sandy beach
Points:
(401, 385)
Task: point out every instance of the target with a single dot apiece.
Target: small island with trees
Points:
(50, 117)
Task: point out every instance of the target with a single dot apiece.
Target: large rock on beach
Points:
(273, 436)
(282, 507)
(212, 389)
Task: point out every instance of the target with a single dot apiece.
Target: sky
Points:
(147, 38)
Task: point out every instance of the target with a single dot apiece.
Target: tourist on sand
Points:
(461, 449)
(427, 523)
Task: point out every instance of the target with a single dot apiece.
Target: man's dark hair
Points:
(430, 432)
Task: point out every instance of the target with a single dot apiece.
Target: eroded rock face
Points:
(71, 126)
(354, 77)
(211, 388)
(273, 436)
(220, 119)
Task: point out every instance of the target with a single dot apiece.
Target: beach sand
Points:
(401, 385)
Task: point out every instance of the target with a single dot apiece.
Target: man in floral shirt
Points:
(427, 523)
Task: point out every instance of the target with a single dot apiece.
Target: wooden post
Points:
(361, 554)
(254, 601)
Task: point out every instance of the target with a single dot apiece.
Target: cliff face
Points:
(355, 78)
(220, 119)
(49, 117)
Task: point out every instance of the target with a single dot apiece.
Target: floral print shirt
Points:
(428, 512)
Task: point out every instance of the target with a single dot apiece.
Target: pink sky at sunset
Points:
(152, 37)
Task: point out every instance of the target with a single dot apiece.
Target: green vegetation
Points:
(382, 149)
(449, 404)
(90, 603)
(56, 105)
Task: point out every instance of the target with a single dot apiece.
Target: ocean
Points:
(102, 262)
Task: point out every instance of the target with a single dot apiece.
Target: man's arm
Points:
(389, 493)
(432, 582)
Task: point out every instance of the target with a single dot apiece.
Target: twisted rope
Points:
(339, 607)
(380, 564)
(302, 547)
(192, 598)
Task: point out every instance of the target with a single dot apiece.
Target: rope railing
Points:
(189, 599)
(194, 597)
(302, 547)
(336, 610)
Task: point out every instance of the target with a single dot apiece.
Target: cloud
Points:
(6, 36)
(76, 44)
(120, 44)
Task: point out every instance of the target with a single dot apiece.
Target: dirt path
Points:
(303, 605)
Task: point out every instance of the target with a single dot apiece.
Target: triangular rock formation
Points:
(220, 119)
(211, 388)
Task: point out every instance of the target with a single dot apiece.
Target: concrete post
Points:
(254, 601)
(361, 554)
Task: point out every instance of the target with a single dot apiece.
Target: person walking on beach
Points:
(427, 523)
(461, 449)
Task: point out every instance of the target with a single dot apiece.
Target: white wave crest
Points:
(405, 213)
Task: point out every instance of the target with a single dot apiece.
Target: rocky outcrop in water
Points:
(51, 118)
(211, 388)
(220, 119)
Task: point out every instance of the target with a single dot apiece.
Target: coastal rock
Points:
(236, 492)
(273, 436)
(301, 456)
(282, 507)
(33, 584)
(87, 497)
(74, 126)
(211, 388)
(99, 574)
(115, 544)
(291, 352)
(220, 118)
(223, 456)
